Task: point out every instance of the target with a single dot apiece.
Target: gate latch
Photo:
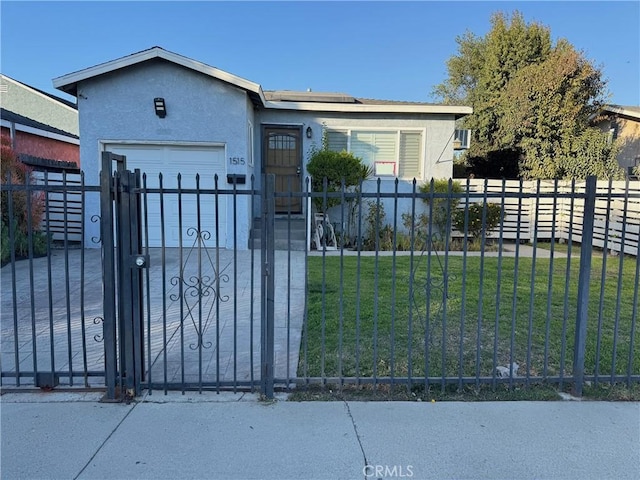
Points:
(140, 261)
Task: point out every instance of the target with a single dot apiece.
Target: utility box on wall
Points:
(237, 178)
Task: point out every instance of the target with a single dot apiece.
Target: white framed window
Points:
(461, 139)
(391, 153)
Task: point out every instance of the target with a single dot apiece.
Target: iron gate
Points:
(185, 328)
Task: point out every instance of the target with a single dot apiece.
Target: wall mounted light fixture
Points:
(309, 132)
(161, 110)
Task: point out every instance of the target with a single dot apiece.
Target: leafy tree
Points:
(545, 112)
(484, 66)
(495, 164)
(335, 168)
(532, 101)
(592, 153)
(441, 209)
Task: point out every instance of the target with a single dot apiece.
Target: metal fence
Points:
(52, 305)
(392, 292)
(416, 305)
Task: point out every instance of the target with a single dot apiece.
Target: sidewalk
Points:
(227, 436)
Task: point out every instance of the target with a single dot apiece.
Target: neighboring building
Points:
(170, 114)
(623, 122)
(43, 129)
(40, 125)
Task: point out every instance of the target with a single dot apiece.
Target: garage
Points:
(187, 160)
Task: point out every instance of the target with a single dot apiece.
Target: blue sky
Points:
(383, 50)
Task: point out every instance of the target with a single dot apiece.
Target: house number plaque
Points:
(236, 161)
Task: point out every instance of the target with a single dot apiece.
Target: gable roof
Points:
(48, 95)
(69, 83)
(275, 99)
(627, 111)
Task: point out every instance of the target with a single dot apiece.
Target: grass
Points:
(431, 394)
(375, 328)
(483, 393)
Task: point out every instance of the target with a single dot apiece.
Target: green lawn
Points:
(370, 330)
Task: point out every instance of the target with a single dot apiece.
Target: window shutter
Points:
(336, 140)
(362, 147)
(374, 147)
(410, 154)
(385, 146)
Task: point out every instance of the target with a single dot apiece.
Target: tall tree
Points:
(531, 98)
(545, 110)
(483, 67)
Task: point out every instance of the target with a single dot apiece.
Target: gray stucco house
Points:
(214, 122)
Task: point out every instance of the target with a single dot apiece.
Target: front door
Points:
(283, 157)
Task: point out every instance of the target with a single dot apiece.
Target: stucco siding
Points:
(629, 133)
(119, 107)
(32, 104)
(439, 129)
(437, 160)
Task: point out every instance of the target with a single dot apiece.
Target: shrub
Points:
(420, 227)
(335, 167)
(374, 224)
(475, 228)
(27, 207)
(5, 250)
(441, 206)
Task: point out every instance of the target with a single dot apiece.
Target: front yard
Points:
(371, 328)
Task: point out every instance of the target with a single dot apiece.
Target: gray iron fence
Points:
(449, 299)
(51, 311)
(397, 287)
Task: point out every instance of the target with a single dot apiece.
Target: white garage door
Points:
(187, 161)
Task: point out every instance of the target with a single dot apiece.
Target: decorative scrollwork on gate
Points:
(96, 219)
(197, 290)
(98, 337)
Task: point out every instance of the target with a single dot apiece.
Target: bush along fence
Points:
(476, 283)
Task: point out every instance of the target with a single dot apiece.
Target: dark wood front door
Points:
(283, 157)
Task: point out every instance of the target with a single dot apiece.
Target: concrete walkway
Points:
(69, 436)
(508, 251)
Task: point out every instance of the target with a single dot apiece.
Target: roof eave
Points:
(622, 111)
(69, 138)
(458, 111)
(68, 83)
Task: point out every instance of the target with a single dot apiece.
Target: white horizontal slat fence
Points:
(560, 211)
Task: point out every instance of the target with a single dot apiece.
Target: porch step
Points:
(298, 229)
(280, 244)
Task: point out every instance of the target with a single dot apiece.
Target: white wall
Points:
(439, 130)
(119, 107)
(437, 156)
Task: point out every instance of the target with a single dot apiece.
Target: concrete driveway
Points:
(202, 316)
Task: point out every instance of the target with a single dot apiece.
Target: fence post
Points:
(268, 285)
(584, 279)
(109, 275)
